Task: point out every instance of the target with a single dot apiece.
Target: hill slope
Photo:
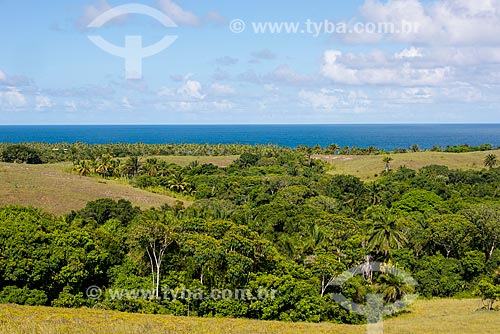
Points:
(52, 189)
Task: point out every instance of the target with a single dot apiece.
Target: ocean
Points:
(387, 137)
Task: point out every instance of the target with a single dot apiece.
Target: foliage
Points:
(20, 154)
(273, 219)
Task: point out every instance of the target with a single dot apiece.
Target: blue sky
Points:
(446, 70)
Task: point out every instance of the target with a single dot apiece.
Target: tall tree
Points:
(152, 233)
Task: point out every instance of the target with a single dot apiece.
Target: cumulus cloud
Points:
(197, 106)
(282, 74)
(42, 102)
(70, 106)
(126, 103)
(409, 53)
(92, 11)
(12, 98)
(179, 15)
(395, 72)
(320, 100)
(3, 77)
(189, 90)
(334, 99)
(441, 22)
(220, 89)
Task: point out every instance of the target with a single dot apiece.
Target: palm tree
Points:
(132, 166)
(104, 165)
(151, 167)
(387, 160)
(83, 168)
(314, 238)
(177, 182)
(385, 234)
(332, 149)
(491, 161)
(393, 288)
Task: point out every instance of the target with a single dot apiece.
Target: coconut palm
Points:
(177, 182)
(491, 161)
(385, 234)
(104, 165)
(132, 166)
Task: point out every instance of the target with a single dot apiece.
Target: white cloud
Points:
(409, 53)
(3, 77)
(440, 22)
(12, 99)
(198, 106)
(321, 100)
(220, 89)
(395, 72)
(179, 15)
(339, 99)
(191, 89)
(285, 74)
(42, 102)
(92, 11)
(70, 106)
(126, 103)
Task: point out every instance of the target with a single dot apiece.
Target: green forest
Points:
(272, 221)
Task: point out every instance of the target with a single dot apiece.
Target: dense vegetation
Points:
(45, 153)
(272, 221)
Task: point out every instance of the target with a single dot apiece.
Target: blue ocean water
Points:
(383, 136)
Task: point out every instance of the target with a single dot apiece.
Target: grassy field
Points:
(444, 316)
(51, 188)
(221, 161)
(367, 166)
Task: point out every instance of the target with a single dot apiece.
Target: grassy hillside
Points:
(367, 166)
(51, 188)
(425, 317)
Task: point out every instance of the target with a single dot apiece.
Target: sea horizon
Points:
(385, 136)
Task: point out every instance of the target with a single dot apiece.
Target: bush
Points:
(20, 154)
(22, 296)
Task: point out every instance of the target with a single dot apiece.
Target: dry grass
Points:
(51, 188)
(367, 166)
(444, 316)
(221, 161)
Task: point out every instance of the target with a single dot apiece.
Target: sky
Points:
(427, 61)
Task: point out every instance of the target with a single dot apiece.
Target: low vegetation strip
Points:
(444, 316)
(48, 187)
